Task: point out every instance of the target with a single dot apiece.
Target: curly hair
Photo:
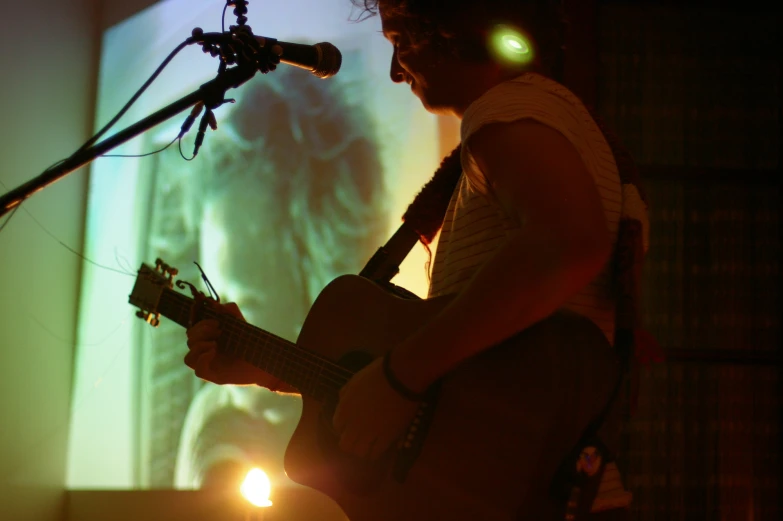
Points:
(460, 26)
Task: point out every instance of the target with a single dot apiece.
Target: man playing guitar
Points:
(530, 231)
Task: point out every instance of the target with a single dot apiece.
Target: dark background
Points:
(694, 93)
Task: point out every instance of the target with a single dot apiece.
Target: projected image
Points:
(290, 196)
(301, 182)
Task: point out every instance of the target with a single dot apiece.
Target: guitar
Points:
(463, 457)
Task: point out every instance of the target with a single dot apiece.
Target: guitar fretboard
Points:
(312, 375)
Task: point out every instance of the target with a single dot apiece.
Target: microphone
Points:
(322, 59)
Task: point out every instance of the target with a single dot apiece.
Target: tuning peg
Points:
(169, 273)
(150, 318)
(161, 266)
(164, 269)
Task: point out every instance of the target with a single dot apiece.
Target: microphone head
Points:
(329, 60)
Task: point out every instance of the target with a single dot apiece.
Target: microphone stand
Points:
(237, 47)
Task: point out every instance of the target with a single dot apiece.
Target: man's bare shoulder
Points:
(539, 177)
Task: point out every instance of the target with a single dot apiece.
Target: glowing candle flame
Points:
(256, 488)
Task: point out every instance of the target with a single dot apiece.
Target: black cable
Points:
(210, 287)
(202, 129)
(50, 234)
(55, 164)
(19, 205)
(110, 124)
(183, 153)
(143, 155)
(144, 87)
(116, 118)
(11, 216)
(122, 112)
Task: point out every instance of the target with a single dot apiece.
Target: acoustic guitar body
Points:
(467, 455)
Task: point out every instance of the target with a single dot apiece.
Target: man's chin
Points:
(435, 108)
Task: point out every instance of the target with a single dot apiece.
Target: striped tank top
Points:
(475, 227)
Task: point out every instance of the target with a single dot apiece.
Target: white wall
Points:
(48, 68)
(47, 84)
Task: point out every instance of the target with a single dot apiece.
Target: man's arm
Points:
(563, 243)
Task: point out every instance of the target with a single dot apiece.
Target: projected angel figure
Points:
(285, 198)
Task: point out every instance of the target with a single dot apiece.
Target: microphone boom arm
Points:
(238, 47)
(211, 94)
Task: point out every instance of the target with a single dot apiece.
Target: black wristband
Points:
(397, 385)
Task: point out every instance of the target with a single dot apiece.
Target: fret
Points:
(274, 363)
(256, 357)
(259, 356)
(304, 376)
(316, 382)
(288, 371)
(170, 306)
(318, 377)
(308, 372)
(242, 344)
(310, 377)
(266, 354)
(229, 341)
(324, 390)
(298, 374)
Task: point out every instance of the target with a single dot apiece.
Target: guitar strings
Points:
(333, 373)
(328, 371)
(285, 346)
(336, 374)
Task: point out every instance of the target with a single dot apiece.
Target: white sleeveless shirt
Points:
(475, 226)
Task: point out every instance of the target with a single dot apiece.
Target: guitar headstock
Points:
(150, 285)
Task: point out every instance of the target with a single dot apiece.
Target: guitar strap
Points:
(385, 263)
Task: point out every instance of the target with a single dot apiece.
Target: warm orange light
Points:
(256, 488)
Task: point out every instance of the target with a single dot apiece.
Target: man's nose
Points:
(397, 73)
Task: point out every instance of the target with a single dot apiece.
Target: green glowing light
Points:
(515, 44)
(510, 45)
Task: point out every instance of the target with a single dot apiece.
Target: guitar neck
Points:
(312, 375)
